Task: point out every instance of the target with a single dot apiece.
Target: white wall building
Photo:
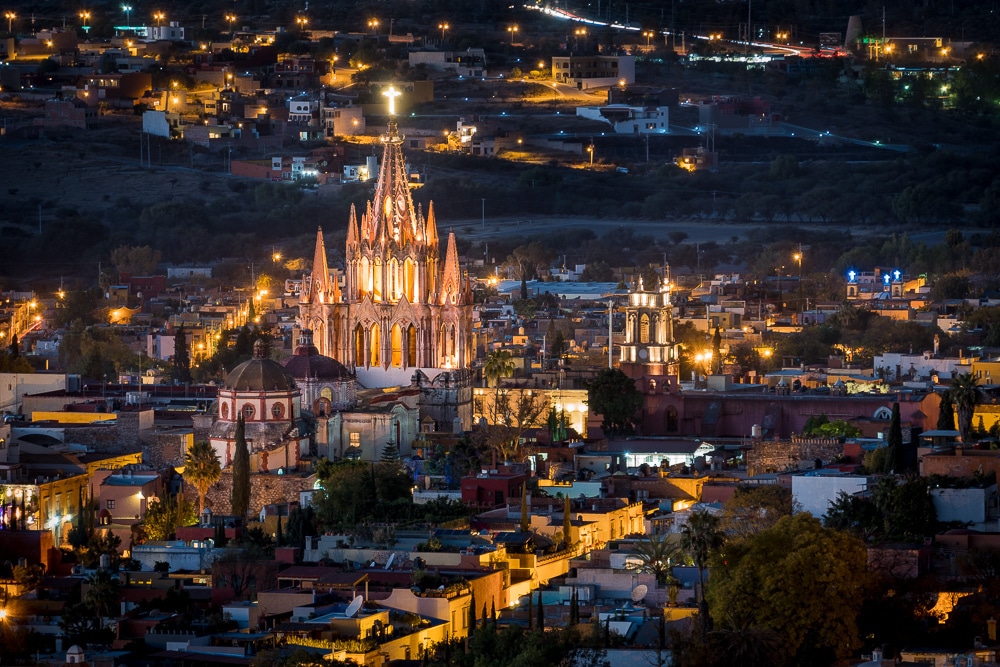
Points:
(815, 490)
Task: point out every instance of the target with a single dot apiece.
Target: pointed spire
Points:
(432, 230)
(451, 278)
(352, 229)
(320, 270)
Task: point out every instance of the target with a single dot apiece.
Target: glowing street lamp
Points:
(10, 16)
(85, 20)
(798, 260)
(512, 29)
(302, 21)
(443, 27)
(128, 15)
(648, 34)
(232, 20)
(159, 16)
(373, 25)
(590, 149)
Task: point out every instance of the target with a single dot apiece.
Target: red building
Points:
(492, 489)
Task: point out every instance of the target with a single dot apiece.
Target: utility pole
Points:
(611, 305)
(484, 214)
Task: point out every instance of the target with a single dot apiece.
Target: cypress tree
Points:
(541, 613)
(525, 524)
(486, 616)
(946, 413)
(279, 539)
(472, 614)
(182, 357)
(241, 471)
(567, 523)
(220, 534)
(15, 347)
(897, 457)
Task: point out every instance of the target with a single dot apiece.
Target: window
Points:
(111, 504)
(248, 411)
(225, 411)
(278, 411)
(355, 439)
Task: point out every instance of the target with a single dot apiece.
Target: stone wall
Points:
(264, 490)
(795, 454)
(120, 437)
(166, 448)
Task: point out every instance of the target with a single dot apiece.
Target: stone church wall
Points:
(795, 454)
(264, 490)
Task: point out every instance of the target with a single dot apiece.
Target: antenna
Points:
(639, 592)
(355, 605)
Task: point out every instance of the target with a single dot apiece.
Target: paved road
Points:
(697, 231)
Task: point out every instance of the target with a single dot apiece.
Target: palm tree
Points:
(700, 536)
(655, 554)
(103, 594)
(965, 395)
(499, 364)
(203, 469)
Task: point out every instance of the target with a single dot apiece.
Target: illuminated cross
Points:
(392, 94)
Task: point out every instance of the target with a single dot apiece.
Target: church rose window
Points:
(248, 411)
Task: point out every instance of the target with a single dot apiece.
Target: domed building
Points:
(349, 423)
(325, 383)
(266, 394)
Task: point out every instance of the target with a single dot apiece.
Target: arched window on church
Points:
(644, 328)
(394, 283)
(248, 411)
(396, 340)
(377, 281)
(408, 279)
(278, 411)
(365, 282)
(359, 346)
(671, 419)
(652, 386)
(376, 346)
(411, 346)
(225, 411)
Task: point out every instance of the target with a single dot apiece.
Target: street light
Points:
(798, 260)
(85, 20)
(302, 21)
(648, 34)
(590, 149)
(159, 16)
(232, 19)
(128, 15)
(512, 29)
(10, 16)
(443, 27)
(373, 25)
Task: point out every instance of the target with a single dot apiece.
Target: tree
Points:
(508, 415)
(894, 442)
(182, 357)
(499, 364)
(701, 537)
(754, 509)
(241, 471)
(946, 412)
(163, 517)
(136, 261)
(965, 394)
(28, 577)
(202, 469)
(613, 395)
(656, 554)
(797, 579)
(103, 594)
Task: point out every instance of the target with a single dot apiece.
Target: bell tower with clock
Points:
(649, 332)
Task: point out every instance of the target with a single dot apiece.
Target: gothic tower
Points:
(401, 309)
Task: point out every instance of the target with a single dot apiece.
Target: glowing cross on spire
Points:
(392, 94)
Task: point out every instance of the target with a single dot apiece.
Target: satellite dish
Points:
(388, 563)
(639, 592)
(355, 605)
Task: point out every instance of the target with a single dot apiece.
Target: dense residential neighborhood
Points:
(551, 335)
